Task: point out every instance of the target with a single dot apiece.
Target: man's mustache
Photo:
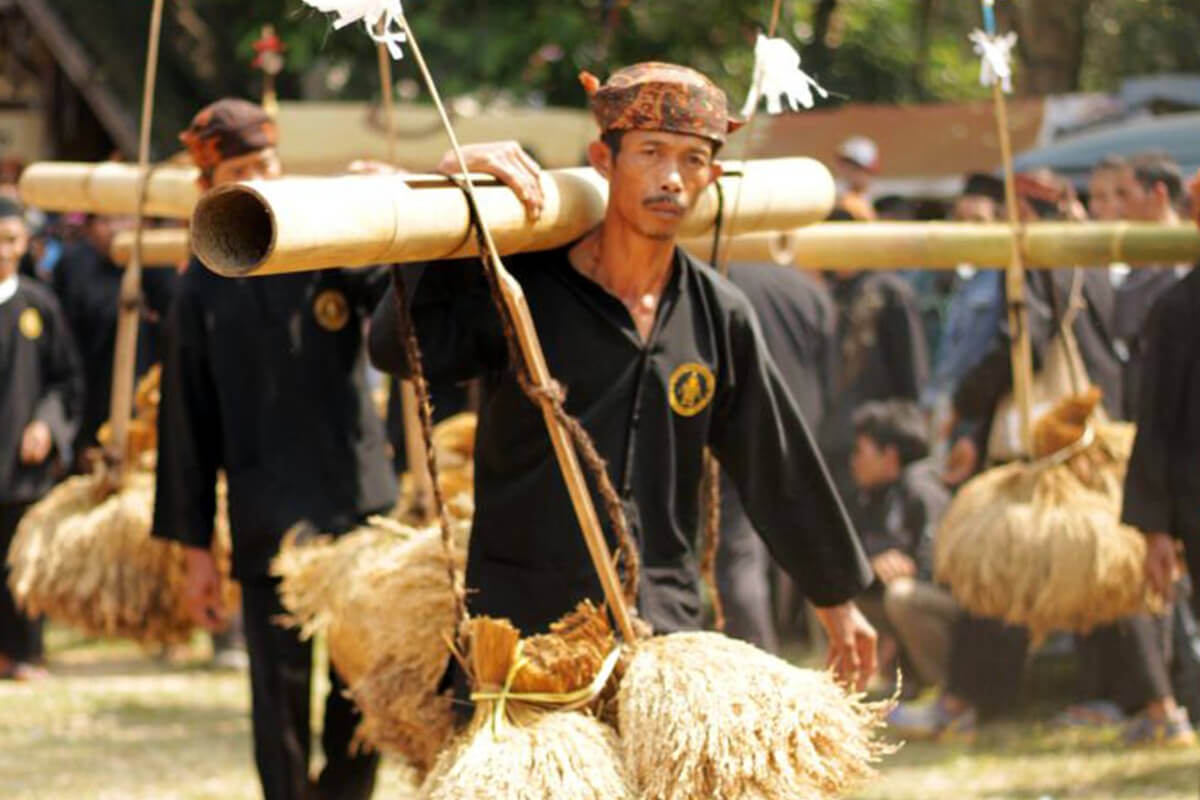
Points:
(664, 199)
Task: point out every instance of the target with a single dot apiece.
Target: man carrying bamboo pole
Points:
(264, 379)
(41, 397)
(660, 357)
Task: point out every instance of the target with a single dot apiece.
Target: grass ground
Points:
(116, 723)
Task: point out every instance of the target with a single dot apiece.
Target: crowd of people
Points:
(894, 378)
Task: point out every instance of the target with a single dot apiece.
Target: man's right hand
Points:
(203, 591)
(1160, 564)
(508, 162)
(893, 564)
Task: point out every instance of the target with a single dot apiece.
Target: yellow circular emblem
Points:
(30, 323)
(332, 310)
(691, 389)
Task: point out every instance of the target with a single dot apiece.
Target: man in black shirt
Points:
(88, 284)
(40, 398)
(265, 380)
(660, 357)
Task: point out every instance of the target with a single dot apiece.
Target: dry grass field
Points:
(117, 723)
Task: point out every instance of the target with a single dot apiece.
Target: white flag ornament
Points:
(996, 52)
(777, 76)
(372, 13)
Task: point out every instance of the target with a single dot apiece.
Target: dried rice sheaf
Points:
(1042, 546)
(703, 715)
(84, 557)
(513, 750)
(381, 595)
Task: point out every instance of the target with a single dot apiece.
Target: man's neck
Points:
(628, 264)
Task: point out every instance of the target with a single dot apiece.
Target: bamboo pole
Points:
(948, 245)
(881, 245)
(161, 247)
(298, 224)
(125, 349)
(109, 188)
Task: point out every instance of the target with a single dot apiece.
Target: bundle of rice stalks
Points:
(382, 597)
(84, 556)
(454, 444)
(143, 428)
(1041, 544)
(703, 715)
(517, 749)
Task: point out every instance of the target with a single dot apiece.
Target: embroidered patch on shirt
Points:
(691, 389)
(332, 310)
(30, 324)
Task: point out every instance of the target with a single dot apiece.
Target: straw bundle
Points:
(143, 428)
(454, 445)
(1041, 544)
(702, 715)
(381, 596)
(516, 750)
(85, 557)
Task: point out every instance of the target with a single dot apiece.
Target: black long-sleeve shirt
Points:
(1162, 485)
(703, 377)
(265, 378)
(88, 285)
(41, 379)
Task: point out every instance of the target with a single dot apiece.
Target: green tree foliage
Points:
(864, 50)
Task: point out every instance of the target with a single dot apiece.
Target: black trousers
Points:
(20, 636)
(987, 664)
(1127, 662)
(744, 575)
(280, 684)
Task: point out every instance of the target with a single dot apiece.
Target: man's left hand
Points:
(852, 643)
(36, 443)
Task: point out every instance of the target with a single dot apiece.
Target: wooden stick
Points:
(1018, 317)
(418, 468)
(539, 373)
(125, 352)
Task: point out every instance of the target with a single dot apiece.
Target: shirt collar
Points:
(8, 288)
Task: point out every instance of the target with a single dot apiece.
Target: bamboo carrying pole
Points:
(109, 188)
(161, 247)
(947, 245)
(125, 349)
(298, 224)
(880, 245)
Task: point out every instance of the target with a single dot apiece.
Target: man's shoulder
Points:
(922, 479)
(37, 294)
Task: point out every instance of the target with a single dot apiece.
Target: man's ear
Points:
(717, 169)
(601, 158)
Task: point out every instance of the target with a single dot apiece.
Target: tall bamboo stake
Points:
(125, 356)
(418, 468)
(539, 374)
(1018, 317)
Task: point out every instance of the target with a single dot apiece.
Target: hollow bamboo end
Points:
(233, 230)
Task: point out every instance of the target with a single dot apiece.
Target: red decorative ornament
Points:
(269, 50)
